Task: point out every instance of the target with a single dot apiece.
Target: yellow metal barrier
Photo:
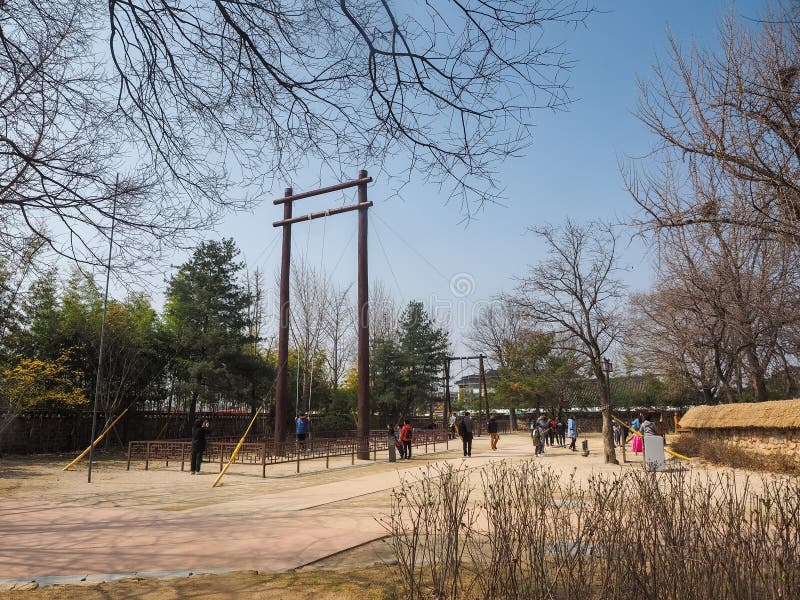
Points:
(634, 432)
(235, 452)
(97, 441)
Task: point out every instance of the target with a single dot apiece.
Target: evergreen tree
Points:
(423, 348)
(206, 317)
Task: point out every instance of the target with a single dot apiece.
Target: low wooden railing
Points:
(264, 452)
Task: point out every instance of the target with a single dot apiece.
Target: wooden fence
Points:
(218, 450)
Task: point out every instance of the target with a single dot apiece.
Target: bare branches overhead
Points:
(188, 97)
(447, 88)
(727, 124)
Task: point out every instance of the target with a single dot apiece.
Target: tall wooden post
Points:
(485, 388)
(482, 393)
(447, 407)
(282, 376)
(363, 323)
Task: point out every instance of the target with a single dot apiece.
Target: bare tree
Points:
(451, 85)
(729, 117)
(496, 328)
(677, 336)
(186, 98)
(61, 146)
(724, 300)
(339, 332)
(307, 322)
(384, 313)
(575, 294)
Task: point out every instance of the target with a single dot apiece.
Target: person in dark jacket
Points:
(491, 428)
(199, 432)
(561, 433)
(465, 431)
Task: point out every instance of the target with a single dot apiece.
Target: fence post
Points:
(264, 459)
(129, 457)
(147, 456)
(297, 451)
(183, 455)
(221, 446)
(327, 452)
(353, 443)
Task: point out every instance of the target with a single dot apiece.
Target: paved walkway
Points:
(266, 528)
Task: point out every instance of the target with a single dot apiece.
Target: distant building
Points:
(469, 387)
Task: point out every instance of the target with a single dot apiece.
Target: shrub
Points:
(523, 532)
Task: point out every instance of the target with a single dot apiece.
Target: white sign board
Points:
(654, 453)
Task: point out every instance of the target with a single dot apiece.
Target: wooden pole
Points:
(235, 452)
(102, 333)
(447, 407)
(485, 388)
(95, 442)
(481, 389)
(282, 376)
(363, 323)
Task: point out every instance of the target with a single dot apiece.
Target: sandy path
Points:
(54, 523)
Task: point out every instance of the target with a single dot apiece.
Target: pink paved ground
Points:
(54, 523)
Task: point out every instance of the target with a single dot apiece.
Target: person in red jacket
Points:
(406, 433)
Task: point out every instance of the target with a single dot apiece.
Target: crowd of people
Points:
(545, 431)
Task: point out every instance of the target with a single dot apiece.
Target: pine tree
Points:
(206, 317)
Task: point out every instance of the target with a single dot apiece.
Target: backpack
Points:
(410, 433)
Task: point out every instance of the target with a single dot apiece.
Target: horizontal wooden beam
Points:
(324, 213)
(479, 356)
(331, 188)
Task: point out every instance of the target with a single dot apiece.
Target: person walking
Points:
(199, 432)
(491, 427)
(534, 434)
(301, 430)
(636, 444)
(649, 425)
(400, 448)
(452, 426)
(572, 432)
(560, 432)
(390, 444)
(406, 435)
(543, 425)
(465, 429)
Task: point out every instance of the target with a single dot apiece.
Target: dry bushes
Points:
(522, 532)
(721, 452)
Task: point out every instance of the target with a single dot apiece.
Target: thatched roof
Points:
(777, 414)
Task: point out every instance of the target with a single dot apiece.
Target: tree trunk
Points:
(513, 418)
(756, 373)
(608, 429)
(192, 408)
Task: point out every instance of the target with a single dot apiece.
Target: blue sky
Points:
(419, 244)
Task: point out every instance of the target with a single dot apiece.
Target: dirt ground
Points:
(312, 535)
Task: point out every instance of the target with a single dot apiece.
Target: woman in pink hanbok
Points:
(636, 443)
